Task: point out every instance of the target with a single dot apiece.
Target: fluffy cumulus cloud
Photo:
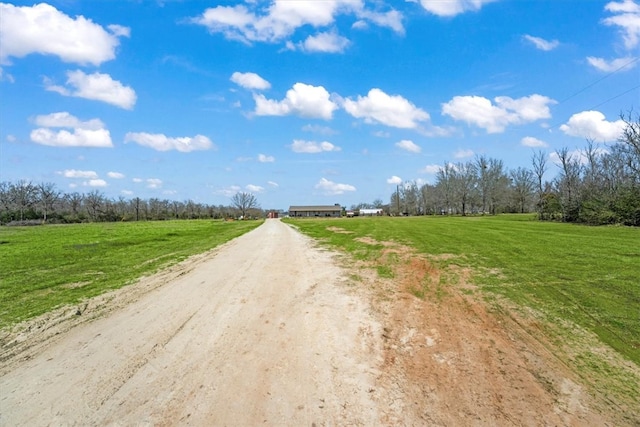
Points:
(312, 147)
(529, 141)
(331, 188)
(115, 175)
(541, 43)
(96, 86)
(449, 8)
(593, 125)
(95, 183)
(395, 180)
(302, 100)
(327, 42)
(45, 30)
(626, 18)
(251, 22)
(263, 158)
(250, 81)
(389, 110)
(408, 145)
(161, 142)
(80, 174)
(65, 130)
(494, 118)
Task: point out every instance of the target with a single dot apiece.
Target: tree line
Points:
(24, 203)
(592, 186)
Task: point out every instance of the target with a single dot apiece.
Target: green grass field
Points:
(49, 266)
(586, 275)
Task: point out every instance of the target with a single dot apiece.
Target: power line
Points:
(599, 80)
(614, 97)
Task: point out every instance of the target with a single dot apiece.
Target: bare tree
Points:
(568, 185)
(47, 195)
(244, 202)
(463, 176)
(94, 202)
(523, 182)
(539, 163)
(24, 196)
(445, 186)
(630, 140)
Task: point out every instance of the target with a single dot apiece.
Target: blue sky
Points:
(303, 102)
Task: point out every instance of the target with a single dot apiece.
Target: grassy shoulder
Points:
(570, 274)
(49, 266)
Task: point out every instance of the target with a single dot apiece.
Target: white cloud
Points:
(391, 19)
(73, 173)
(95, 183)
(541, 43)
(251, 23)
(96, 86)
(81, 134)
(463, 154)
(273, 183)
(529, 141)
(431, 169)
(254, 188)
(331, 188)
(481, 112)
(627, 18)
(448, 8)
(605, 66)
(301, 146)
(45, 30)
(65, 120)
(115, 175)
(593, 125)
(263, 158)
(161, 142)
(302, 100)
(395, 180)
(154, 183)
(229, 191)
(389, 110)
(328, 42)
(408, 145)
(250, 81)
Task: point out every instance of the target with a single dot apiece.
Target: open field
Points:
(379, 334)
(586, 275)
(48, 266)
(574, 289)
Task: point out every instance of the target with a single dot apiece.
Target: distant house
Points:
(371, 212)
(334, 211)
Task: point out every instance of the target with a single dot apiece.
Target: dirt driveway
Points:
(270, 330)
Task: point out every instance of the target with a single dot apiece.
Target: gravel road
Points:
(262, 332)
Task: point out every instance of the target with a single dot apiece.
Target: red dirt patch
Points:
(450, 360)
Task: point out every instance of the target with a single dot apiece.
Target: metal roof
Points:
(322, 208)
